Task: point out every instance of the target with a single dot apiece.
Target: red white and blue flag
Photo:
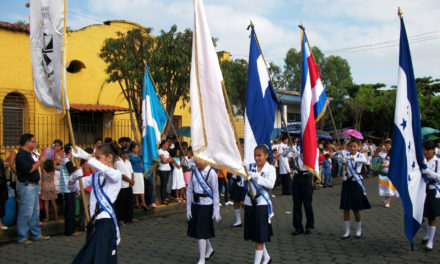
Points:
(313, 106)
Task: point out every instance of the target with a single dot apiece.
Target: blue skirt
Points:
(256, 224)
(352, 197)
(238, 193)
(432, 204)
(201, 225)
(99, 245)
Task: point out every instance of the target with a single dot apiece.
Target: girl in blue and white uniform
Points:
(259, 210)
(353, 194)
(103, 234)
(202, 207)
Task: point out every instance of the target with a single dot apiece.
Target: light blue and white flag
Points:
(154, 119)
(406, 158)
(261, 103)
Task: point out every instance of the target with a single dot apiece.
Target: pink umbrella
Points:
(353, 133)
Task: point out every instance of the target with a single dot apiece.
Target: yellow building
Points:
(98, 108)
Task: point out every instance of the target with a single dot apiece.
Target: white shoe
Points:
(220, 204)
(229, 203)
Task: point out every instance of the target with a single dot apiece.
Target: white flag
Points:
(212, 136)
(46, 36)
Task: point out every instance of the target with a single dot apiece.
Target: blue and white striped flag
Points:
(261, 103)
(154, 119)
(406, 153)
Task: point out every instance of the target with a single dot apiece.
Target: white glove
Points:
(244, 164)
(188, 214)
(216, 216)
(79, 153)
(431, 175)
(252, 175)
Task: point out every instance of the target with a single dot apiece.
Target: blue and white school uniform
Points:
(353, 194)
(203, 200)
(238, 192)
(432, 200)
(257, 213)
(101, 244)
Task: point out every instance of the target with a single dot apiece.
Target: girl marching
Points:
(386, 188)
(353, 195)
(102, 230)
(202, 207)
(432, 200)
(259, 210)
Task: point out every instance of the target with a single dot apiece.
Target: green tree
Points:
(168, 56)
(235, 77)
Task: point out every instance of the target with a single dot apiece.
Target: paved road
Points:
(164, 240)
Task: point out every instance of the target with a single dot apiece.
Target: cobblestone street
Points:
(164, 240)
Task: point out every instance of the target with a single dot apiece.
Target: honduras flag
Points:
(261, 103)
(406, 154)
(154, 119)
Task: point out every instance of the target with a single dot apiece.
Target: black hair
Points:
(388, 141)
(184, 143)
(110, 148)
(48, 166)
(327, 156)
(354, 140)
(169, 137)
(429, 145)
(25, 138)
(120, 140)
(89, 150)
(173, 152)
(263, 148)
(284, 137)
(97, 139)
(132, 146)
(127, 139)
(108, 140)
(67, 148)
(190, 149)
(58, 141)
(162, 143)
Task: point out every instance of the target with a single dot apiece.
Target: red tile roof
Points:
(14, 27)
(97, 108)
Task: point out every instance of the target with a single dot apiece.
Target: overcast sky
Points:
(336, 26)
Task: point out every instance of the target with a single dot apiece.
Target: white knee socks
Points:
(347, 228)
(431, 234)
(266, 256)
(237, 216)
(358, 228)
(209, 248)
(258, 256)
(202, 250)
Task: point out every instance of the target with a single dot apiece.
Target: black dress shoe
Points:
(428, 249)
(345, 237)
(358, 237)
(297, 232)
(308, 231)
(424, 241)
(234, 226)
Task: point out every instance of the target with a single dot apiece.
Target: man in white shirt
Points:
(124, 202)
(283, 163)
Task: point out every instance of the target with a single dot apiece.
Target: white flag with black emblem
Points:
(46, 37)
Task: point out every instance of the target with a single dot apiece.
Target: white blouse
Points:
(265, 180)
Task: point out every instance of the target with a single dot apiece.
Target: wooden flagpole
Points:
(69, 120)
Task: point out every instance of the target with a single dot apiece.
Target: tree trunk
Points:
(133, 127)
(171, 107)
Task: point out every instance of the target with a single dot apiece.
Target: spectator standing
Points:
(69, 196)
(28, 178)
(3, 192)
(49, 193)
(327, 167)
(138, 169)
(164, 169)
(124, 202)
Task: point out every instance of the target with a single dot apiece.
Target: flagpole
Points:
(69, 120)
(270, 78)
(237, 139)
(304, 35)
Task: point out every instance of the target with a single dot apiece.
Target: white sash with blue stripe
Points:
(203, 183)
(105, 203)
(351, 167)
(263, 192)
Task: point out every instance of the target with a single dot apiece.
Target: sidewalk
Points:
(52, 228)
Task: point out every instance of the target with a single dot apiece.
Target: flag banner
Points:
(154, 119)
(261, 103)
(312, 92)
(46, 41)
(212, 135)
(406, 157)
